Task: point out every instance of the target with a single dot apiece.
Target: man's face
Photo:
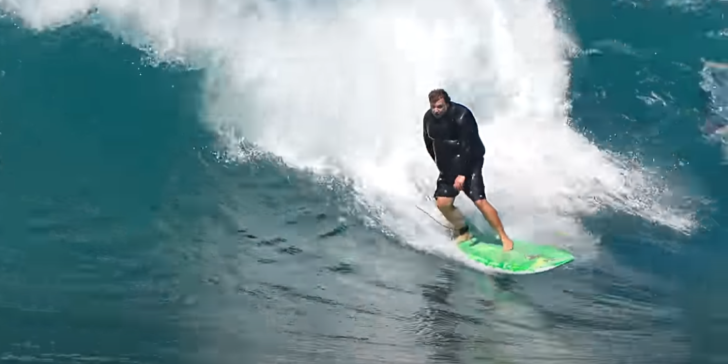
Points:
(438, 107)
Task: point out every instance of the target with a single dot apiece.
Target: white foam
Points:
(715, 83)
(341, 88)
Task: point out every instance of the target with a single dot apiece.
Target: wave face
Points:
(261, 131)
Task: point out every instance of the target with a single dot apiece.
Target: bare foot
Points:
(463, 237)
(507, 243)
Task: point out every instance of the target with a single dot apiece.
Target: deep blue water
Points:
(126, 236)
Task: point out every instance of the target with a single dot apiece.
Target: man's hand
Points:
(459, 183)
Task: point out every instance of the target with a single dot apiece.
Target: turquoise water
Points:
(239, 181)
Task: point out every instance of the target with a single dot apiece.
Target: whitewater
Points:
(339, 89)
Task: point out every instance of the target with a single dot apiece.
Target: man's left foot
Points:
(507, 243)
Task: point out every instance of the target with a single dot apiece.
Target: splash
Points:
(340, 89)
(715, 84)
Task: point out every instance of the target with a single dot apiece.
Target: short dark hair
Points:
(437, 94)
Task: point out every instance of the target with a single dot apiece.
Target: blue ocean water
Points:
(238, 181)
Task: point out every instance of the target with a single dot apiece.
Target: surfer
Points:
(452, 140)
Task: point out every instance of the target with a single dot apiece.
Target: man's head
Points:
(439, 102)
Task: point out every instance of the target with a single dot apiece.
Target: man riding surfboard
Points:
(451, 137)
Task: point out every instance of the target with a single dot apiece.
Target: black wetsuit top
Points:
(453, 140)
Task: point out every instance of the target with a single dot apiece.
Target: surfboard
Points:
(525, 258)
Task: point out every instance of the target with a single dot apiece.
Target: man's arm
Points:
(468, 131)
(428, 141)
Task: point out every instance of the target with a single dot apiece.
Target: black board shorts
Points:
(473, 185)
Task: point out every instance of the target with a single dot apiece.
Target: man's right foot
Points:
(463, 237)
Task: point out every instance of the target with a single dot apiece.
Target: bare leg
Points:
(491, 215)
(453, 215)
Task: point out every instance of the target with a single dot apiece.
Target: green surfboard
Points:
(525, 258)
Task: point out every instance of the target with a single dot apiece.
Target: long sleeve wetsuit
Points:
(453, 141)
